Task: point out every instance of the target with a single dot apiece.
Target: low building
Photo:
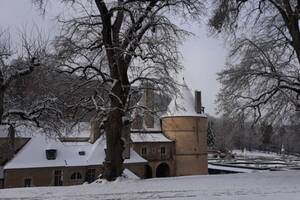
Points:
(49, 162)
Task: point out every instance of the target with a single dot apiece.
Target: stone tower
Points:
(187, 124)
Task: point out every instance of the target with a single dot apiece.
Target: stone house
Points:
(46, 161)
(173, 145)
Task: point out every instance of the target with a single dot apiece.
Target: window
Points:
(27, 182)
(153, 150)
(163, 150)
(76, 175)
(90, 175)
(58, 178)
(144, 151)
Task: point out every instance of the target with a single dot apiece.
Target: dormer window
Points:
(81, 153)
(51, 154)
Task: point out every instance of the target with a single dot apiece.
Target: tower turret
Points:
(186, 124)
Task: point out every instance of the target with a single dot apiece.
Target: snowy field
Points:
(250, 186)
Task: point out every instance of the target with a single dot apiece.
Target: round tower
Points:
(187, 124)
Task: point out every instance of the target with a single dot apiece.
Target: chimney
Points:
(95, 130)
(198, 102)
(149, 103)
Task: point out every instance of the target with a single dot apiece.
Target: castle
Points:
(177, 146)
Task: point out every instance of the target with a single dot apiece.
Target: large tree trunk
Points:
(1, 105)
(113, 165)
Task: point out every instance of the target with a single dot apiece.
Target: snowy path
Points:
(255, 186)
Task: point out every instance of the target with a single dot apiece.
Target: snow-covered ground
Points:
(254, 186)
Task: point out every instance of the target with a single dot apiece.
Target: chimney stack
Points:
(149, 103)
(198, 102)
(95, 130)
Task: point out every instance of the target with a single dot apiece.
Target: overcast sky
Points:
(203, 56)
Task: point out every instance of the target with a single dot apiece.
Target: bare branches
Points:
(262, 75)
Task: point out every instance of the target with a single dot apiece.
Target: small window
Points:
(144, 151)
(76, 175)
(81, 153)
(27, 182)
(163, 150)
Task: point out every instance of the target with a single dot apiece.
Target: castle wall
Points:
(190, 136)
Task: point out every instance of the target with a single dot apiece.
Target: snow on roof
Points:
(184, 105)
(149, 137)
(230, 169)
(33, 155)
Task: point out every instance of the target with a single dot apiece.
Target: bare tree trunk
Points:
(1, 105)
(113, 165)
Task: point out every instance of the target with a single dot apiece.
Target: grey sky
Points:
(203, 56)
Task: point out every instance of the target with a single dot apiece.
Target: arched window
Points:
(76, 175)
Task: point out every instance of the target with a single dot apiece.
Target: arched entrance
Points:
(163, 170)
(148, 171)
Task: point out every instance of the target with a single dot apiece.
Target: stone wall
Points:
(190, 136)
(45, 176)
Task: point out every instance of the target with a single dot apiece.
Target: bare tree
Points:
(125, 45)
(262, 75)
(17, 62)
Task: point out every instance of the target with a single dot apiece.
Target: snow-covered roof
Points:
(33, 155)
(184, 105)
(149, 137)
(230, 169)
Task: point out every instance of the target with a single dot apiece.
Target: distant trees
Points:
(210, 135)
(230, 135)
(262, 75)
(126, 46)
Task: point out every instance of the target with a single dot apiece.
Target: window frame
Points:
(26, 183)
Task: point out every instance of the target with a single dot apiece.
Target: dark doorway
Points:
(148, 171)
(163, 170)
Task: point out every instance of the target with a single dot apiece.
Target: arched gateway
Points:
(163, 170)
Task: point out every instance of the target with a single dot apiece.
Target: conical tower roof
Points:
(184, 104)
